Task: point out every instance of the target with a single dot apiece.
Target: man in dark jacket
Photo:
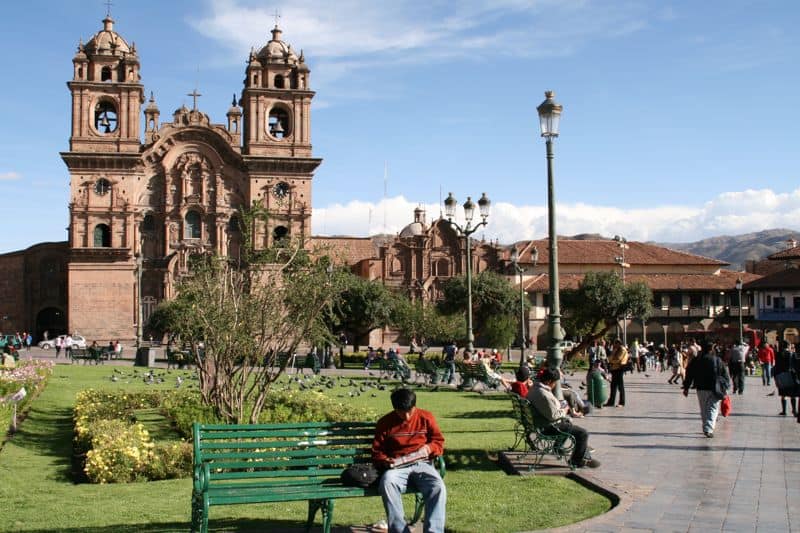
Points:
(703, 372)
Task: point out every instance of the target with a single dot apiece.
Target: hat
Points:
(523, 373)
(494, 350)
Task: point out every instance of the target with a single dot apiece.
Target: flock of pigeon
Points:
(151, 377)
(332, 384)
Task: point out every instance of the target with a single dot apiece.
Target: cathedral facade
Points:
(145, 194)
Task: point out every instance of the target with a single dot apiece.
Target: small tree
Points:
(492, 295)
(600, 300)
(415, 319)
(246, 318)
(500, 330)
(363, 306)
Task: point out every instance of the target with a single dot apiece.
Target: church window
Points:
(234, 226)
(442, 267)
(280, 233)
(102, 236)
(279, 82)
(149, 223)
(279, 125)
(102, 186)
(191, 229)
(105, 117)
(105, 74)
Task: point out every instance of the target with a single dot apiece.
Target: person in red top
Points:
(406, 440)
(524, 382)
(766, 356)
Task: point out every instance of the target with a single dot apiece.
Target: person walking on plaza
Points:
(736, 364)
(406, 441)
(59, 343)
(675, 361)
(766, 357)
(450, 362)
(786, 361)
(703, 372)
(617, 361)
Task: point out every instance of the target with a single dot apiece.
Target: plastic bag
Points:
(725, 407)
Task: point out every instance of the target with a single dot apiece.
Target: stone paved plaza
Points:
(670, 477)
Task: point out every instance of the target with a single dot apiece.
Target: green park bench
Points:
(86, 354)
(472, 373)
(267, 463)
(427, 369)
(394, 368)
(530, 428)
(178, 358)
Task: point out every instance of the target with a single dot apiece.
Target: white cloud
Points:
(9, 176)
(728, 213)
(343, 36)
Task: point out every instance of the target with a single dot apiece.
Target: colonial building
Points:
(776, 296)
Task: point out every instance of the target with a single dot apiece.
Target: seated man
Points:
(547, 405)
(406, 440)
(524, 381)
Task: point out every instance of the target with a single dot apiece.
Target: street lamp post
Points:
(620, 260)
(139, 260)
(549, 118)
(466, 230)
(741, 327)
(520, 271)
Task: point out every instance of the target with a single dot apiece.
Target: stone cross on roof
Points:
(194, 94)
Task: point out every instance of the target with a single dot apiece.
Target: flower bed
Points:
(31, 374)
(112, 446)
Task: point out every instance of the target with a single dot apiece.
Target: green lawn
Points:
(37, 492)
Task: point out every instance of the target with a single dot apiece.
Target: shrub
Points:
(120, 452)
(170, 460)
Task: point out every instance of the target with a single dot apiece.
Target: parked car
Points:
(77, 342)
(566, 345)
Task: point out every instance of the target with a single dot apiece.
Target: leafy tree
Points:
(492, 295)
(363, 306)
(600, 300)
(415, 319)
(500, 330)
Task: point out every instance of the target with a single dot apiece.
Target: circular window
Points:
(102, 186)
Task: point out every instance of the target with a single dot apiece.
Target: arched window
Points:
(149, 223)
(105, 117)
(234, 225)
(105, 74)
(102, 236)
(279, 125)
(279, 83)
(191, 228)
(280, 233)
(442, 267)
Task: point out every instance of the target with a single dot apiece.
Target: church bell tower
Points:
(276, 103)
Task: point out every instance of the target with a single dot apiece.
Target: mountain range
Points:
(737, 249)
(733, 249)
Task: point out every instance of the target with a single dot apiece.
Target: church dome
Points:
(277, 50)
(107, 41)
(414, 229)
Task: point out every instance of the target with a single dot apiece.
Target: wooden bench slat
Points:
(306, 452)
(278, 444)
(270, 474)
(209, 429)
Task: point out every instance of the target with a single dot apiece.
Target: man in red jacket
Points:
(406, 441)
(766, 356)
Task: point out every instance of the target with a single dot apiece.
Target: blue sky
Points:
(679, 117)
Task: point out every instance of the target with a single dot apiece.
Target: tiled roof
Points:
(724, 281)
(789, 253)
(784, 279)
(602, 251)
(349, 250)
